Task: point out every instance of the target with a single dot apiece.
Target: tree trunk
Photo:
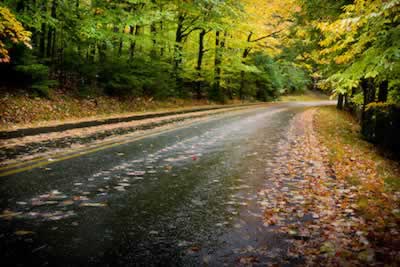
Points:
(51, 32)
(368, 89)
(246, 52)
(340, 102)
(102, 48)
(241, 88)
(92, 53)
(121, 45)
(77, 5)
(133, 43)
(219, 45)
(200, 62)
(42, 42)
(217, 68)
(115, 41)
(346, 101)
(383, 91)
(153, 31)
(162, 45)
(178, 54)
(49, 39)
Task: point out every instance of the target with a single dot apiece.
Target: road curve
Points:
(179, 198)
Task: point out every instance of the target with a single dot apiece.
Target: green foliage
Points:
(38, 75)
(356, 54)
(152, 48)
(327, 9)
(357, 99)
(139, 78)
(394, 96)
(362, 42)
(29, 69)
(268, 81)
(295, 78)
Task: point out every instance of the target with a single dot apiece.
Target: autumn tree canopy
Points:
(215, 49)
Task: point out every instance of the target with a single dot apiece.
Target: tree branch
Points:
(190, 25)
(246, 52)
(264, 37)
(249, 37)
(192, 30)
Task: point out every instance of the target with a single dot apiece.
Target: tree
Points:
(158, 48)
(11, 32)
(363, 45)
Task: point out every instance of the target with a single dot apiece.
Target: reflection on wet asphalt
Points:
(185, 197)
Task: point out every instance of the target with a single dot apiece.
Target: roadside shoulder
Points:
(333, 200)
(373, 180)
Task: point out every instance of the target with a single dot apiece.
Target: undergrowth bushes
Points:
(381, 125)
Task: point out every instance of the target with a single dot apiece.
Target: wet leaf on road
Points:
(67, 203)
(8, 214)
(248, 260)
(93, 204)
(23, 232)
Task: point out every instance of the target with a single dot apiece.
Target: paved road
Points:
(184, 197)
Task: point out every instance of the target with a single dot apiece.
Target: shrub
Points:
(139, 78)
(38, 76)
(381, 125)
(26, 70)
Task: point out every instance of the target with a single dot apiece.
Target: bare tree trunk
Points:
(346, 101)
(162, 46)
(246, 52)
(178, 54)
(102, 48)
(200, 62)
(42, 43)
(241, 88)
(51, 32)
(153, 31)
(383, 91)
(340, 102)
(121, 45)
(133, 43)
(369, 91)
(219, 45)
(132, 47)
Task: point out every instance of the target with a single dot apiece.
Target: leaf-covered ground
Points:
(334, 194)
(326, 197)
(23, 110)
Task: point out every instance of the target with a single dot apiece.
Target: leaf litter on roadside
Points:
(321, 213)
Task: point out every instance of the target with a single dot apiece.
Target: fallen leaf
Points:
(92, 204)
(23, 232)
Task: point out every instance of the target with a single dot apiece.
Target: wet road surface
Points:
(181, 198)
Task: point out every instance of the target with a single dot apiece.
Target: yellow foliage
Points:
(11, 30)
(342, 39)
(269, 19)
